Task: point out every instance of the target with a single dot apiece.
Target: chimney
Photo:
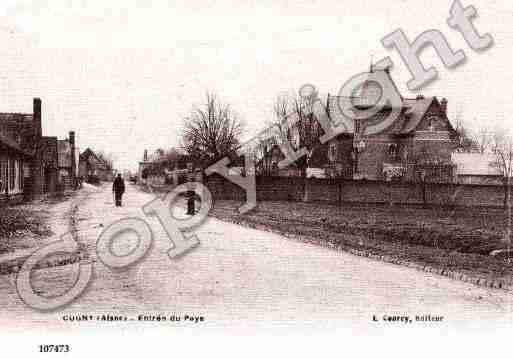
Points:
(443, 105)
(145, 158)
(37, 118)
(73, 159)
(37, 183)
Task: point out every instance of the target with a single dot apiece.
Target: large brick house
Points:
(28, 160)
(416, 146)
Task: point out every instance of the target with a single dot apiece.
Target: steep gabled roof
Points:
(23, 118)
(338, 115)
(414, 111)
(13, 145)
(89, 154)
(18, 129)
(410, 117)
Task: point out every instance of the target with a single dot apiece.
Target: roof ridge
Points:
(17, 113)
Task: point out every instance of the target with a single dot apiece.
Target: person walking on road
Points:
(118, 188)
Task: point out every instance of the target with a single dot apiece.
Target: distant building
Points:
(68, 155)
(142, 172)
(164, 167)
(92, 168)
(477, 168)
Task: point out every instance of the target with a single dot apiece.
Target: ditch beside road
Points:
(455, 242)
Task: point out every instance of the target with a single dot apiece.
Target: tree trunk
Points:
(306, 187)
(508, 215)
(505, 198)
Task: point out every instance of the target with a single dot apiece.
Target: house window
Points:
(26, 170)
(332, 152)
(20, 175)
(11, 175)
(3, 177)
(392, 150)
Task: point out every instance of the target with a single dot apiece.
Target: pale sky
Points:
(123, 74)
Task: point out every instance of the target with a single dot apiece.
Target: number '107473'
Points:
(62, 348)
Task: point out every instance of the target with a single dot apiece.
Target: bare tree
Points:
(307, 127)
(502, 147)
(281, 108)
(483, 138)
(263, 155)
(211, 131)
(276, 133)
(295, 122)
(465, 140)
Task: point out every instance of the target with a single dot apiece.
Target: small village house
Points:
(162, 167)
(92, 168)
(14, 167)
(28, 160)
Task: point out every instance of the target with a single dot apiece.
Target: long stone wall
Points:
(339, 191)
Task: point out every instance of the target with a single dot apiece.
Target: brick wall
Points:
(338, 191)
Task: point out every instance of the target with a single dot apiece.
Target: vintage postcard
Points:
(179, 176)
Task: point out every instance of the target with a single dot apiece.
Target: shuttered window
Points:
(20, 174)
(12, 175)
(3, 177)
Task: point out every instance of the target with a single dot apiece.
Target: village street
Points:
(236, 274)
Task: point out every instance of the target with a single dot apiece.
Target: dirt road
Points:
(241, 276)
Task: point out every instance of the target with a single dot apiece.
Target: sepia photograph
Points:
(179, 176)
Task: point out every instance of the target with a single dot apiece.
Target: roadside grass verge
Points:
(31, 225)
(26, 225)
(458, 239)
(18, 222)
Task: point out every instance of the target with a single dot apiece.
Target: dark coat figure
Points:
(118, 187)
(190, 203)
